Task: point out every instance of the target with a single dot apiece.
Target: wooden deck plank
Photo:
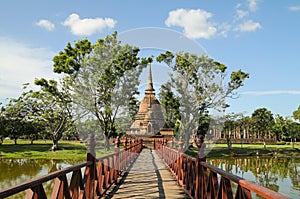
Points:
(147, 178)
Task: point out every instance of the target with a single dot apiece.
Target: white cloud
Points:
(224, 29)
(48, 25)
(252, 4)
(294, 8)
(274, 92)
(238, 5)
(195, 23)
(88, 26)
(21, 64)
(240, 14)
(248, 26)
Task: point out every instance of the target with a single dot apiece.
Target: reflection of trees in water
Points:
(266, 170)
(294, 169)
(15, 171)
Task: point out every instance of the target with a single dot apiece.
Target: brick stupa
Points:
(149, 120)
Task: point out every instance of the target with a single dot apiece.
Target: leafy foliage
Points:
(170, 105)
(200, 86)
(103, 78)
(263, 120)
(56, 109)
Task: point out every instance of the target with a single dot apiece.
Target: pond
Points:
(279, 174)
(15, 171)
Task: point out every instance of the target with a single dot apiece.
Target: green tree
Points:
(53, 109)
(204, 124)
(293, 129)
(245, 123)
(103, 77)
(88, 127)
(200, 84)
(16, 115)
(170, 105)
(263, 120)
(133, 107)
(3, 123)
(296, 116)
(228, 130)
(280, 127)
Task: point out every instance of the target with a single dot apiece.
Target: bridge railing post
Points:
(141, 144)
(163, 149)
(129, 150)
(117, 157)
(125, 143)
(179, 159)
(172, 143)
(201, 172)
(166, 151)
(124, 155)
(90, 170)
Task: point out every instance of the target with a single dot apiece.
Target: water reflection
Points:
(279, 174)
(15, 171)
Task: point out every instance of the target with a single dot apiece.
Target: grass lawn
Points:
(77, 150)
(221, 150)
(40, 150)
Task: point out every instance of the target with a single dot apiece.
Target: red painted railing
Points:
(98, 176)
(202, 180)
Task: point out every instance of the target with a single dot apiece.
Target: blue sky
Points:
(259, 36)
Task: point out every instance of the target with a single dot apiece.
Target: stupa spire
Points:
(150, 88)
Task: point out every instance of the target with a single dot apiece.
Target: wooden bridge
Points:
(137, 172)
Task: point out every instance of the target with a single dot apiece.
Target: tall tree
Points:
(170, 105)
(103, 77)
(16, 116)
(228, 130)
(204, 124)
(53, 109)
(263, 120)
(201, 85)
(296, 114)
(245, 123)
(293, 131)
(2, 124)
(293, 134)
(280, 127)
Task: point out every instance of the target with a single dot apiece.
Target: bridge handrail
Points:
(260, 190)
(199, 179)
(99, 175)
(40, 180)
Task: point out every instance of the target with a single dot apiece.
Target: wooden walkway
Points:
(148, 177)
